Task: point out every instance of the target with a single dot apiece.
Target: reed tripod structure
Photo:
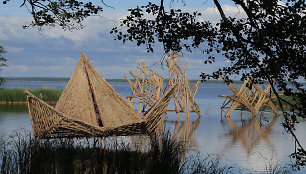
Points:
(250, 95)
(184, 97)
(90, 107)
(148, 87)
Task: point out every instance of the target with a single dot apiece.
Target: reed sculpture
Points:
(148, 87)
(250, 95)
(90, 107)
(184, 97)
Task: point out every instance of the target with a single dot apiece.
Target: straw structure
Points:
(184, 97)
(153, 115)
(90, 98)
(147, 87)
(90, 107)
(252, 98)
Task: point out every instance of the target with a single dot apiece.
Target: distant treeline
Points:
(35, 79)
(51, 96)
(66, 79)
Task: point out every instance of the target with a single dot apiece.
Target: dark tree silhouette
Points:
(269, 43)
(2, 62)
(68, 14)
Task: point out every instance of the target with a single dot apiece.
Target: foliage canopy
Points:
(68, 14)
(268, 43)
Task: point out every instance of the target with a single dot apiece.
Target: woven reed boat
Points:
(90, 107)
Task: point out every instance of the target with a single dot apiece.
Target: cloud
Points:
(69, 61)
(212, 14)
(11, 27)
(16, 69)
(38, 71)
(41, 59)
(95, 28)
(54, 52)
(114, 71)
(193, 61)
(13, 49)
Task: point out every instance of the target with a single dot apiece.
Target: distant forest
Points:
(36, 79)
(63, 79)
(59, 79)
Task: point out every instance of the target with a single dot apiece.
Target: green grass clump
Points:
(12, 95)
(17, 94)
(289, 100)
(47, 94)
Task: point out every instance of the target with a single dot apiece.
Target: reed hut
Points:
(90, 107)
(250, 96)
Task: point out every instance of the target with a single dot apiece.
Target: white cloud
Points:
(114, 71)
(13, 49)
(11, 27)
(69, 61)
(55, 68)
(93, 26)
(104, 49)
(192, 61)
(212, 14)
(16, 69)
(3, 36)
(41, 59)
(54, 52)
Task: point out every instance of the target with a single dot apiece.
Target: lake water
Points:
(246, 142)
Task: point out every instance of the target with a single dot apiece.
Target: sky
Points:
(54, 52)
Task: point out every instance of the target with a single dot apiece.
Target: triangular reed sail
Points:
(90, 107)
(91, 99)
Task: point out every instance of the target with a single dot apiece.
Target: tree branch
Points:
(222, 14)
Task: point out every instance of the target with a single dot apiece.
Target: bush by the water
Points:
(17, 94)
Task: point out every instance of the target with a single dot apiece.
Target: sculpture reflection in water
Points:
(184, 130)
(181, 130)
(250, 133)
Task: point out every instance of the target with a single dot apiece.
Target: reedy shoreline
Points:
(51, 96)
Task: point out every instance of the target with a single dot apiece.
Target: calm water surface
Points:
(244, 141)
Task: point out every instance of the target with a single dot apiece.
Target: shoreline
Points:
(23, 102)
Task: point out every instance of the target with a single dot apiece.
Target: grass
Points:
(17, 94)
(289, 99)
(287, 105)
(22, 154)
